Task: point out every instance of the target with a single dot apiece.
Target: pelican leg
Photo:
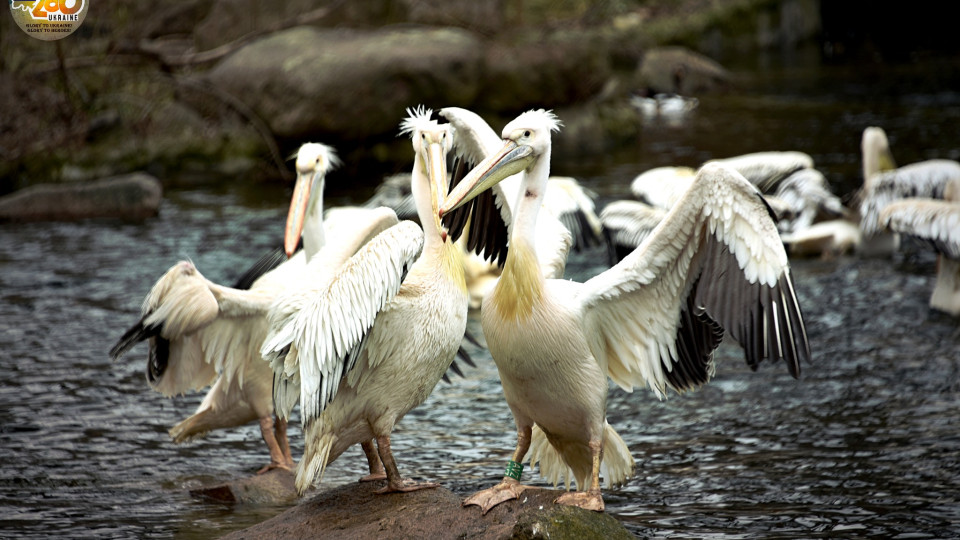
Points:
(591, 499)
(508, 488)
(277, 460)
(373, 461)
(395, 483)
(280, 432)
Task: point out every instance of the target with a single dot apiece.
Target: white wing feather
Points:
(323, 337)
(715, 261)
(932, 220)
(926, 179)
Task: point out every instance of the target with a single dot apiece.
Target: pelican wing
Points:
(927, 179)
(313, 347)
(935, 221)
(192, 324)
(627, 224)
(766, 169)
(394, 192)
(714, 263)
(573, 205)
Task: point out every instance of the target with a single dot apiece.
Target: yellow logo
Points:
(49, 19)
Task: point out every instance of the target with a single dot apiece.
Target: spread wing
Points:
(935, 221)
(196, 329)
(714, 263)
(313, 346)
(927, 179)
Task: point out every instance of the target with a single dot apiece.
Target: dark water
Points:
(864, 446)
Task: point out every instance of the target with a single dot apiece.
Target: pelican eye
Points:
(526, 133)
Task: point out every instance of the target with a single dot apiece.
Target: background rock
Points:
(131, 196)
(353, 83)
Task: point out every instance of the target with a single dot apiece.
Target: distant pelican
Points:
(799, 201)
(368, 343)
(202, 333)
(627, 224)
(654, 319)
(937, 222)
(766, 169)
(662, 187)
(884, 183)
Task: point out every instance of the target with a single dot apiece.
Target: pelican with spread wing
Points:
(714, 264)
(202, 333)
(368, 343)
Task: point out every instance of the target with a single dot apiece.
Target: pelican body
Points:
(202, 333)
(654, 319)
(370, 342)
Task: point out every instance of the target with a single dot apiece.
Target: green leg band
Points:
(514, 470)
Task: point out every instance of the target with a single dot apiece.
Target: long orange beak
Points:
(298, 212)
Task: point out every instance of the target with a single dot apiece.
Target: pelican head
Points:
(313, 162)
(525, 140)
(431, 143)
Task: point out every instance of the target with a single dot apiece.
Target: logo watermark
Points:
(49, 19)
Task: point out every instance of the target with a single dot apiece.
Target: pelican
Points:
(714, 263)
(627, 224)
(939, 223)
(766, 169)
(806, 197)
(884, 183)
(662, 187)
(475, 140)
(368, 345)
(202, 333)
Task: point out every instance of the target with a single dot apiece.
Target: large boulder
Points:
(353, 83)
(355, 511)
(679, 70)
(130, 196)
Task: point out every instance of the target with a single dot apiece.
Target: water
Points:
(864, 446)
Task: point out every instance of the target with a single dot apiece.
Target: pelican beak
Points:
(298, 211)
(436, 165)
(510, 160)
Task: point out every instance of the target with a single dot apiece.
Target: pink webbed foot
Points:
(504, 491)
(588, 500)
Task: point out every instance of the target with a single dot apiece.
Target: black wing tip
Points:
(264, 264)
(135, 334)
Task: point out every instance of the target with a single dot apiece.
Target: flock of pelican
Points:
(358, 326)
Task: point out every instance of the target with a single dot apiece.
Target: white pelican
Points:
(714, 263)
(939, 223)
(807, 199)
(662, 187)
(766, 169)
(884, 183)
(367, 345)
(627, 224)
(475, 140)
(202, 333)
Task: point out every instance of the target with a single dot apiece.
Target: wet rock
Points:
(272, 487)
(355, 511)
(681, 71)
(353, 83)
(130, 196)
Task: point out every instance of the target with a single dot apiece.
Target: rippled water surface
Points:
(865, 445)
